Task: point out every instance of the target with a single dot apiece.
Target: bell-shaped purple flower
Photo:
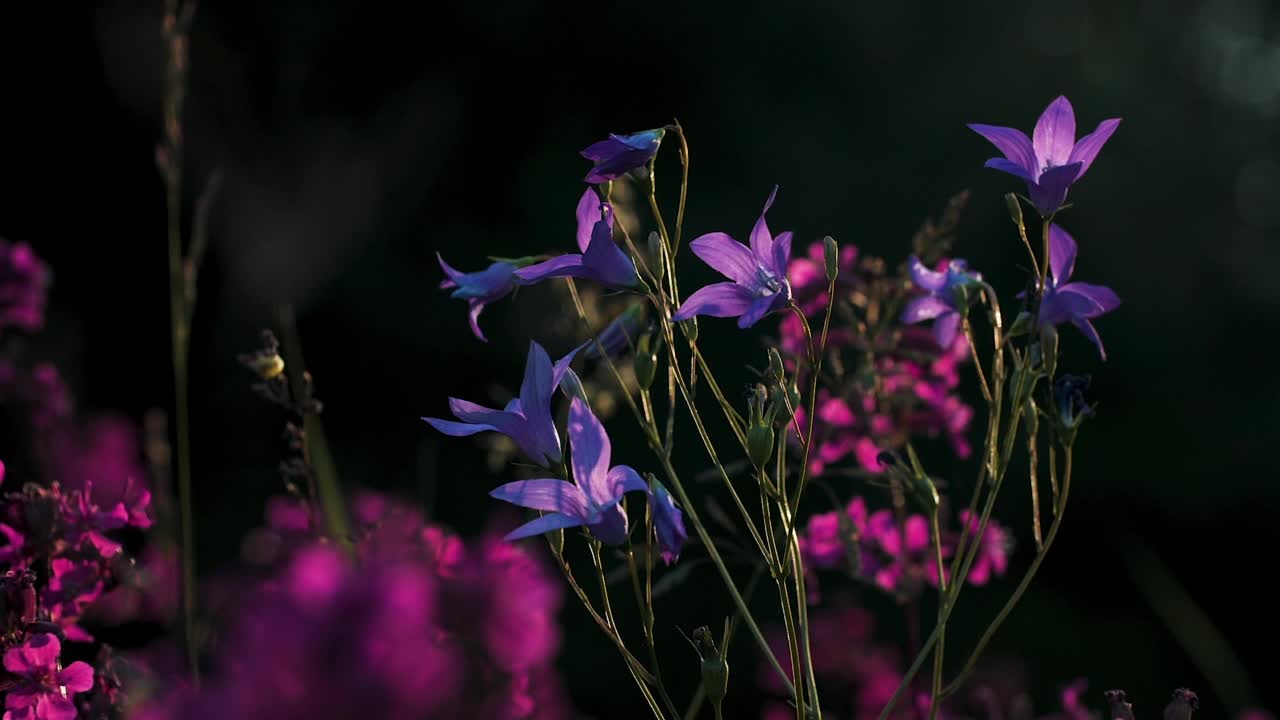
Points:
(593, 498)
(1074, 302)
(601, 259)
(620, 335)
(527, 419)
(479, 288)
(946, 299)
(620, 154)
(758, 273)
(1052, 159)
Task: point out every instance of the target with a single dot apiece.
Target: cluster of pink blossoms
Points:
(889, 381)
(416, 624)
(896, 557)
(24, 280)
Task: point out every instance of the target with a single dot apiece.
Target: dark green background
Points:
(357, 139)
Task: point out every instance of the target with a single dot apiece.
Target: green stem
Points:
(1012, 602)
(939, 654)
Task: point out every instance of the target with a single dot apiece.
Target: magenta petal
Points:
(40, 651)
(726, 256)
(924, 308)
(1050, 191)
(724, 299)
(546, 523)
(1062, 254)
(77, 677)
(589, 453)
(1090, 145)
(549, 495)
(560, 266)
(1055, 133)
(1014, 143)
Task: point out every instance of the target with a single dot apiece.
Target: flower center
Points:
(766, 282)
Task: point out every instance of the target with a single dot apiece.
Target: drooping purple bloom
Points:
(38, 694)
(24, 281)
(619, 335)
(527, 419)
(1073, 302)
(601, 259)
(479, 288)
(945, 300)
(592, 500)
(1052, 159)
(620, 154)
(758, 273)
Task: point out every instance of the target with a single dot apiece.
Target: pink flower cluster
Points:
(889, 385)
(416, 624)
(858, 675)
(894, 556)
(24, 282)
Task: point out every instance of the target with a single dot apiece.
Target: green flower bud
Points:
(1015, 208)
(1049, 349)
(831, 254)
(715, 669)
(646, 361)
(655, 251)
(775, 365)
(1021, 325)
(690, 328)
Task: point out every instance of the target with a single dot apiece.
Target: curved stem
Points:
(939, 654)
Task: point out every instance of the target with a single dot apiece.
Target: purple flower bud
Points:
(619, 154)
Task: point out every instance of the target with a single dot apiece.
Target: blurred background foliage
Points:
(357, 139)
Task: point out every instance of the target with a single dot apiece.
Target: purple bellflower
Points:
(620, 154)
(1052, 159)
(527, 419)
(601, 259)
(759, 274)
(479, 288)
(1073, 302)
(946, 299)
(593, 500)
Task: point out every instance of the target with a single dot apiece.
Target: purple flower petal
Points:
(1055, 133)
(761, 239)
(546, 523)
(605, 261)
(589, 211)
(624, 479)
(726, 256)
(611, 525)
(548, 495)
(1088, 147)
(1062, 254)
(1008, 166)
(945, 329)
(453, 274)
(926, 279)
(1091, 333)
(535, 400)
(724, 299)
(560, 266)
(924, 308)
(1100, 299)
(1014, 143)
(1050, 191)
(760, 307)
(562, 365)
(781, 254)
(589, 453)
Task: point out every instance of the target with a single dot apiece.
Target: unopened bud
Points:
(1021, 325)
(715, 669)
(646, 361)
(1049, 349)
(1184, 703)
(655, 251)
(1118, 705)
(1015, 208)
(690, 328)
(831, 254)
(775, 365)
(760, 444)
